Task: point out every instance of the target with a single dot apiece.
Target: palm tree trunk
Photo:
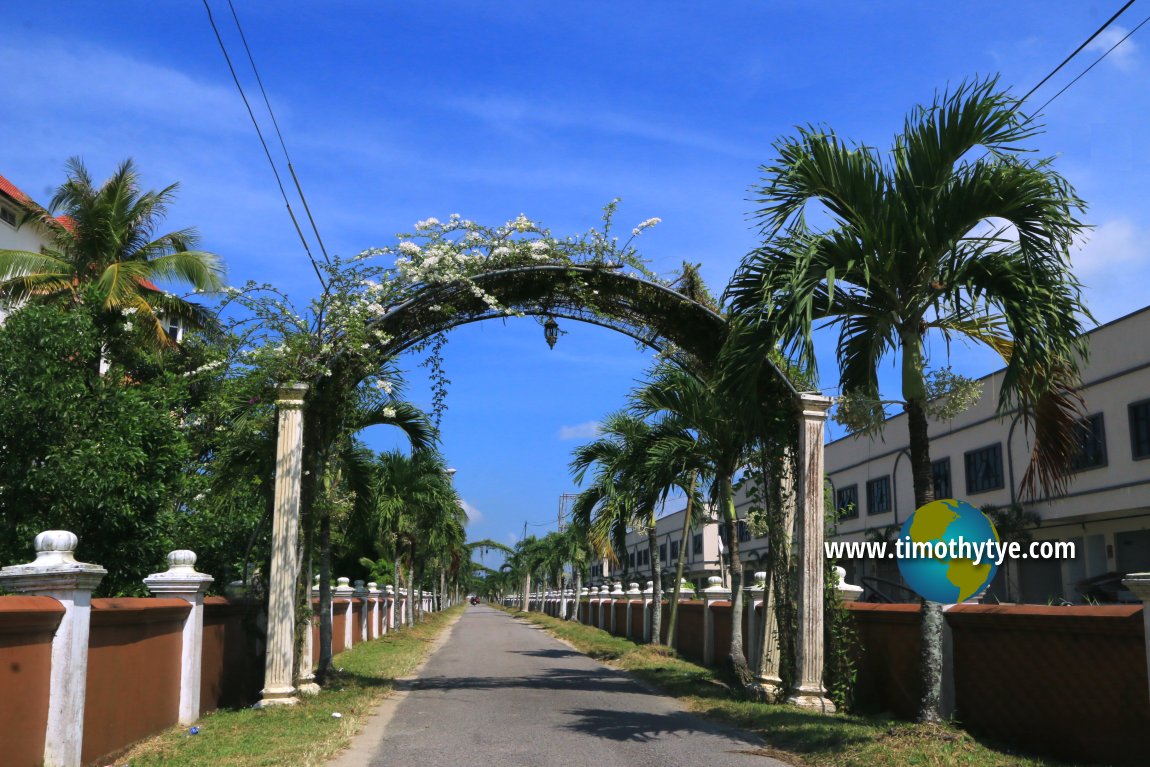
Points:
(930, 666)
(657, 586)
(671, 621)
(526, 606)
(325, 667)
(738, 659)
(578, 591)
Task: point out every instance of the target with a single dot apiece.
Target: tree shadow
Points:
(638, 727)
(553, 679)
(557, 653)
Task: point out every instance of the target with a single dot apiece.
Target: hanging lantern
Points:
(551, 332)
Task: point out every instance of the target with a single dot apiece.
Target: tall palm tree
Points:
(625, 493)
(705, 431)
(106, 250)
(956, 232)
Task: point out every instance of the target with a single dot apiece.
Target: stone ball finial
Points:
(714, 580)
(359, 585)
(373, 586)
(182, 559)
(344, 583)
(761, 576)
(634, 586)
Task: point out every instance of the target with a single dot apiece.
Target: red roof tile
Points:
(13, 191)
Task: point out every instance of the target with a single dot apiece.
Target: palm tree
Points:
(106, 251)
(956, 233)
(625, 493)
(705, 432)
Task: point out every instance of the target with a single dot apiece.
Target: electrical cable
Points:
(275, 123)
(1096, 62)
(267, 152)
(1078, 50)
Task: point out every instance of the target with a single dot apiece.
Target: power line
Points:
(264, 144)
(1078, 50)
(275, 123)
(1096, 62)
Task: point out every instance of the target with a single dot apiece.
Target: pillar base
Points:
(282, 696)
(769, 687)
(309, 688)
(812, 699)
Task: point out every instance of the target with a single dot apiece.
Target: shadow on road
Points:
(556, 653)
(553, 679)
(644, 727)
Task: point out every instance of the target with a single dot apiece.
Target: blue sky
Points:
(395, 112)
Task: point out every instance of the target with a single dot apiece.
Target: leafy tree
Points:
(106, 251)
(958, 232)
(103, 456)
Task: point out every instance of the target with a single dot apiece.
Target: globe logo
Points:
(945, 551)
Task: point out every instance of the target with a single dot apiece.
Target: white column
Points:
(389, 622)
(56, 573)
(373, 595)
(1139, 584)
(715, 592)
(361, 593)
(770, 679)
(345, 591)
(604, 600)
(648, 600)
(754, 598)
(182, 581)
(307, 684)
(278, 687)
(810, 692)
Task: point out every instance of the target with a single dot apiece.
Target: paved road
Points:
(502, 693)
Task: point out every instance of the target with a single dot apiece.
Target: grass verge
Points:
(799, 737)
(305, 734)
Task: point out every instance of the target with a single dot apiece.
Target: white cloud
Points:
(1125, 56)
(474, 515)
(1113, 262)
(580, 430)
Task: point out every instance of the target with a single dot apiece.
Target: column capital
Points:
(55, 567)
(344, 588)
(815, 405)
(360, 589)
(181, 578)
(291, 395)
(715, 592)
(373, 589)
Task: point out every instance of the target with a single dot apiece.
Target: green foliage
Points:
(102, 456)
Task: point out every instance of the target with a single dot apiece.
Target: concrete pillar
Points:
(278, 687)
(56, 573)
(604, 600)
(617, 595)
(389, 622)
(345, 591)
(307, 684)
(182, 581)
(1139, 585)
(769, 678)
(809, 692)
(648, 600)
(715, 592)
(373, 596)
(361, 594)
(754, 598)
(634, 594)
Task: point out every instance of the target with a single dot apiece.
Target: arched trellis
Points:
(653, 314)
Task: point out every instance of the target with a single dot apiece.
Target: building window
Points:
(697, 544)
(646, 557)
(663, 553)
(847, 502)
(631, 561)
(984, 469)
(940, 473)
(1140, 429)
(674, 551)
(7, 215)
(1091, 435)
(744, 532)
(878, 496)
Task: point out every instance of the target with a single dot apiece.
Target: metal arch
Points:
(651, 338)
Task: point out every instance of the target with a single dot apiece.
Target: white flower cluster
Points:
(645, 225)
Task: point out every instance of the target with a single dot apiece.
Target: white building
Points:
(981, 458)
(14, 203)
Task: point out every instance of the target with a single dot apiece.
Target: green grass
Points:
(796, 736)
(306, 734)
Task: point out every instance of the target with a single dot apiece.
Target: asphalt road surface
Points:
(502, 693)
